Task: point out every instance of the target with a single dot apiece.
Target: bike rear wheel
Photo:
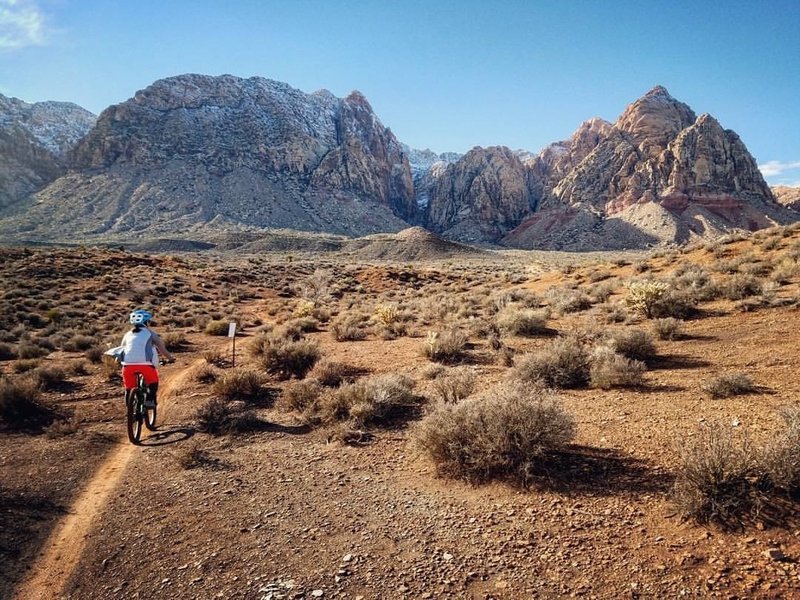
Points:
(135, 415)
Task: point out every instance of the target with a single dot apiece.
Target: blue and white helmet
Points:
(140, 317)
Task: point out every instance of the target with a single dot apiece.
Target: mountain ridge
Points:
(198, 153)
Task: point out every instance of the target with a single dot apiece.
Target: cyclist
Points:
(140, 351)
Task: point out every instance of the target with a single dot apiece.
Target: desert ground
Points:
(349, 453)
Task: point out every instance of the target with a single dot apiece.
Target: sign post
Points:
(232, 335)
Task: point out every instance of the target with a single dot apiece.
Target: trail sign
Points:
(232, 330)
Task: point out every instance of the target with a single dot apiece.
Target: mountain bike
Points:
(138, 413)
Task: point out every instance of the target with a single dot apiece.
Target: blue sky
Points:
(447, 75)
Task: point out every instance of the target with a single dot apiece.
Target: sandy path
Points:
(63, 550)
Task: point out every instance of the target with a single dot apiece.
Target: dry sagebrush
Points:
(500, 434)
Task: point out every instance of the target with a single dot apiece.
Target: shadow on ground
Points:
(599, 471)
(24, 518)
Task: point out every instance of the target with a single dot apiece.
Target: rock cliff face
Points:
(199, 152)
(34, 139)
(482, 196)
(787, 196)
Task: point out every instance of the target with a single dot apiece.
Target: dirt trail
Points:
(62, 551)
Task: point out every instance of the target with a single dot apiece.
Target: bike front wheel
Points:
(135, 416)
(150, 414)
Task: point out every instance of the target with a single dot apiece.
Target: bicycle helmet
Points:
(140, 317)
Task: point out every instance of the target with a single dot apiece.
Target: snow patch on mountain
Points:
(55, 125)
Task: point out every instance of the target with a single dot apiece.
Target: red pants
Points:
(149, 373)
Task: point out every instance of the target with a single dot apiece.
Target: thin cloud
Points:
(22, 24)
(775, 167)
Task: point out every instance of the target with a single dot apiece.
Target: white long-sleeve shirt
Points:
(141, 347)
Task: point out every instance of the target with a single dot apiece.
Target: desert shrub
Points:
(445, 346)
(695, 281)
(331, 373)
(62, 428)
(206, 373)
(7, 352)
(454, 385)
(524, 322)
(80, 367)
(317, 287)
(500, 434)
(668, 328)
(296, 328)
(679, 304)
(348, 328)
(729, 384)
(94, 354)
(176, 341)
(217, 327)
(596, 275)
(287, 359)
(194, 456)
(79, 343)
(614, 312)
(214, 357)
(633, 343)
(609, 369)
(369, 402)
(24, 365)
(21, 406)
(564, 363)
(29, 350)
(432, 371)
(110, 369)
(565, 300)
(782, 456)
(741, 286)
(785, 271)
(601, 292)
(300, 395)
(214, 416)
(713, 477)
(49, 377)
(644, 294)
(239, 384)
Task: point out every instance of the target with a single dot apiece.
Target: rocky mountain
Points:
(426, 168)
(482, 196)
(194, 152)
(198, 155)
(34, 141)
(787, 196)
(659, 174)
